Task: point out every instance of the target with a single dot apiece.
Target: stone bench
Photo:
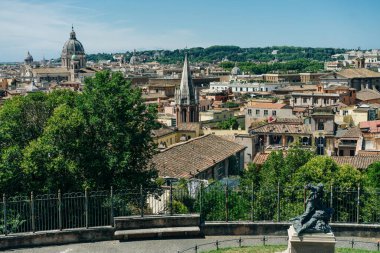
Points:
(157, 226)
(157, 233)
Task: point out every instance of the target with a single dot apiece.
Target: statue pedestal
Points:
(310, 242)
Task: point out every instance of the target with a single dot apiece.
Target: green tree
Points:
(229, 123)
(372, 175)
(105, 140)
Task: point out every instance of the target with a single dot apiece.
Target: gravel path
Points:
(175, 245)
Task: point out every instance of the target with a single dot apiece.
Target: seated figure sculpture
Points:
(316, 215)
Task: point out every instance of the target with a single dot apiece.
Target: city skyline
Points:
(42, 28)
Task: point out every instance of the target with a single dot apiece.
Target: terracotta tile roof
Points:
(260, 158)
(266, 105)
(50, 71)
(283, 129)
(369, 153)
(358, 73)
(373, 126)
(367, 94)
(289, 120)
(164, 130)
(353, 132)
(359, 162)
(193, 126)
(194, 156)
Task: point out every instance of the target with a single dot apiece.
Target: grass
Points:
(272, 249)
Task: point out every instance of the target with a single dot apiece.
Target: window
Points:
(295, 100)
(304, 100)
(315, 100)
(257, 112)
(345, 112)
(340, 152)
(325, 101)
(334, 101)
(321, 125)
(249, 111)
(352, 152)
(274, 113)
(265, 112)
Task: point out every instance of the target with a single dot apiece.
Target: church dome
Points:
(236, 71)
(74, 57)
(73, 46)
(28, 58)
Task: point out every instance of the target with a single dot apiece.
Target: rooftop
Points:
(358, 73)
(183, 160)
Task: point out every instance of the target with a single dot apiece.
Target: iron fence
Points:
(214, 203)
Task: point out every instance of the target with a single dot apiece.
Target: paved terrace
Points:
(175, 245)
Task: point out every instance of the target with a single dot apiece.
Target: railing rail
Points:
(58, 211)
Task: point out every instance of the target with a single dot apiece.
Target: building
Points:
(314, 99)
(371, 135)
(260, 111)
(308, 78)
(354, 78)
(367, 95)
(73, 55)
(280, 135)
(323, 129)
(205, 157)
(282, 78)
(186, 98)
(349, 141)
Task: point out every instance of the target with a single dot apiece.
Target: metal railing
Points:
(214, 203)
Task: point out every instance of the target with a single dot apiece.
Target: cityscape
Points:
(195, 140)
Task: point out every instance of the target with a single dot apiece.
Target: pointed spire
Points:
(187, 94)
(72, 34)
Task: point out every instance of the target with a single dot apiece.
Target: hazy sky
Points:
(43, 26)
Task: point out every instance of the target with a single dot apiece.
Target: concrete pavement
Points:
(174, 245)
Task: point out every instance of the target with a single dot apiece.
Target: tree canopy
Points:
(71, 141)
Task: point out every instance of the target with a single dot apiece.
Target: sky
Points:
(42, 26)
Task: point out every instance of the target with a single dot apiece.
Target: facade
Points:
(244, 87)
(310, 77)
(186, 98)
(323, 129)
(260, 111)
(282, 78)
(314, 99)
(353, 78)
(349, 142)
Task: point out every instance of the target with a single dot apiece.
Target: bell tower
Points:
(186, 98)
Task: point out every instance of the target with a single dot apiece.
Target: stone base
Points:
(310, 242)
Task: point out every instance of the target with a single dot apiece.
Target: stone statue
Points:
(316, 216)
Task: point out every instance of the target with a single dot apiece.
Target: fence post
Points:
(171, 198)
(86, 206)
(32, 212)
(59, 210)
(111, 211)
(200, 203)
(252, 194)
(5, 214)
(358, 206)
(141, 201)
(331, 200)
(304, 198)
(278, 201)
(226, 201)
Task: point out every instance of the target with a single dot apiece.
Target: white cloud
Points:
(42, 28)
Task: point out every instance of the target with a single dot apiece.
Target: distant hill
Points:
(231, 53)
